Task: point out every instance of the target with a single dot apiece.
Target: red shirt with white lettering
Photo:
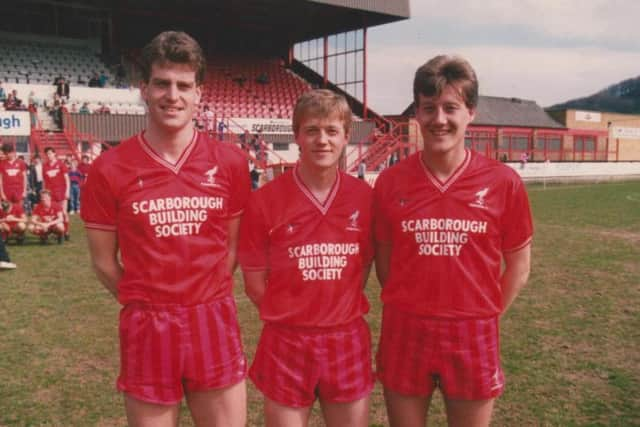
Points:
(16, 210)
(47, 214)
(447, 238)
(53, 175)
(13, 178)
(171, 220)
(314, 253)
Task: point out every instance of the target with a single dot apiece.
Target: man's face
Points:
(10, 155)
(443, 120)
(45, 199)
(321, 141)
(51, 155)
(171, 96)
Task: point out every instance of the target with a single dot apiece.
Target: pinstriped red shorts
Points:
(293, 366)
(417, 354)
(166, 349)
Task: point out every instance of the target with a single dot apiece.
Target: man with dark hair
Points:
(446, 218)
(13, 176)
(169, 201)
(62, 89)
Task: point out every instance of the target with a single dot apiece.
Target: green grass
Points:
(570, 344)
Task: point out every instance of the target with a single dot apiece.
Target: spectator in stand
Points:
(56, 182)
(208, 120)
(362, 169)
(76, 179)
(33, 99)
(13, 222)
(56, 113)
(5, 261)
(10, 103)
(94, 81)
(103, 79)
(74, 108)
(34, 182)
(62, 89)
(255, 178)
(13, 176)
(47, 218)
(120, 76)
(221, 127)
(103, 109)
(3, 95)
(244, 139)
(84, 109)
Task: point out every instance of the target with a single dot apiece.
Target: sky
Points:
(549, 51)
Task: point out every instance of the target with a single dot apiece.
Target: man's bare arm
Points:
(103, 248)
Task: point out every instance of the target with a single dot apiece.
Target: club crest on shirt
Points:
(353, 221)
(480, 202)
(402, 202)
(211, 178)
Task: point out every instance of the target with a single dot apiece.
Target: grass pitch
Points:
(570, 343)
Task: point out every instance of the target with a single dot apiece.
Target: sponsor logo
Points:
(479, 202)
(289, 228)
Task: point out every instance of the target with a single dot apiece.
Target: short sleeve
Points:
(241, 187)
(517, 223)
(381, 223)
(253, 240)
(99, 204)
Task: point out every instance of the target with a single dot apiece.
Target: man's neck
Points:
(169, 146)
(443, 165)
(318, 181)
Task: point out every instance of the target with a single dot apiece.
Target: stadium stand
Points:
(251, 87)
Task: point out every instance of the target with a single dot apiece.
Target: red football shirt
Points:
(448, 237)
(16, 210)
(47, 214)
(171, 219)
(53, 176)
(314, 254)
(13, 176)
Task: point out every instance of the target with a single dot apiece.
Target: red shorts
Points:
(294, 365)
(58, 195)
(14, 195)
(165, 349)
(39, 231)
(462, 357)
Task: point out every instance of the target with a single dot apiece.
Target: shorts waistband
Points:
(175, 307)
(317, 329)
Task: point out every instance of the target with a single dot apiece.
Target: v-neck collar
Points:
(444, 186)
(323, 207)
(173, 167)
